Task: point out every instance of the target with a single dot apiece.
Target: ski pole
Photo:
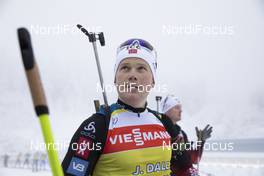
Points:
(38, 97)
(158, 98)
(92, 38)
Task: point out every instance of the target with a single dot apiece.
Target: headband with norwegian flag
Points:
(137, 48)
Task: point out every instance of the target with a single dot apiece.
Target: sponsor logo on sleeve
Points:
(89, 130)
(84, 146)
(90, 127)
(77, 167)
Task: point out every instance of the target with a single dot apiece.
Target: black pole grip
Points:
(26, 48)
(32, 72)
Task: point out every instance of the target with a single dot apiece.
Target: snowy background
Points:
(210, 54)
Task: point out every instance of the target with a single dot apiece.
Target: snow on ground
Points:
(22, 172)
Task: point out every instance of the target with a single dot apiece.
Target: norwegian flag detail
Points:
(132, 51)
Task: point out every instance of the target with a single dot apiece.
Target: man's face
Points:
(133, 80)
(175, 113)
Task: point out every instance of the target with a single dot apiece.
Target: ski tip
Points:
(26, 48)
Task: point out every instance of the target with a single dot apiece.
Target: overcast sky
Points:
(210, 55)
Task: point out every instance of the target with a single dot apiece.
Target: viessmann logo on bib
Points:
(134, 137)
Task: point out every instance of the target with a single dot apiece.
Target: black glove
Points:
(204, 134)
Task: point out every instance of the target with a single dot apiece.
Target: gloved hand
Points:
(204, 134)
